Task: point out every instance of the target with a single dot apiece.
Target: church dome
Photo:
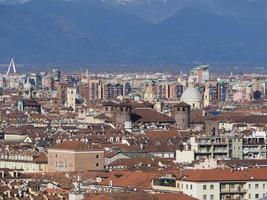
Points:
(191, 95)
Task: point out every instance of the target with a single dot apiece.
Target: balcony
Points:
(233, 191)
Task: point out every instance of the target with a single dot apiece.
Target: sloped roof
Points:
(149, 115)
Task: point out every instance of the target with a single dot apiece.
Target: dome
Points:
(191, 95)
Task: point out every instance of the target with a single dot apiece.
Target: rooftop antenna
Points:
(11, 64)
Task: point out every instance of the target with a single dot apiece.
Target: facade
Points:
(74, 156)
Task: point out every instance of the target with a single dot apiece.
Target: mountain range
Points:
(138, 32)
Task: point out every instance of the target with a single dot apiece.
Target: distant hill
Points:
(133, 31)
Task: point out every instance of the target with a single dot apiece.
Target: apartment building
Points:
(217, 147)
(215, 184)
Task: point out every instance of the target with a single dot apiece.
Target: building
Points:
(225, 184)
(201, 73)
(74, 156)
(193, 97)
(181, 113)
(217, 147)
(112, 91)
(61, 93)
(215, 184)
(29, 105)
(27, 161)
(118, 113)
(71, 97)
(150, 92)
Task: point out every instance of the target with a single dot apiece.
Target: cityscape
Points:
(82, 135)
(133, 100)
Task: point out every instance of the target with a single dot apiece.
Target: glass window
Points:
(204, 197)
(191, 187)
(211, 187)
(204, 187)
(212, 197)
(256, 186)
(256, 196)
(97, 164)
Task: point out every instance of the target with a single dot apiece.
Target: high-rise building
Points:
(112, 91)
(222, 91)
(201, 73)
(56, 74)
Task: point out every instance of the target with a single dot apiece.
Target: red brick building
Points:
(74, 156)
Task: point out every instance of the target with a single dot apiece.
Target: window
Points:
(183, 109)
(97, 156)
(191, 187)
(263, 186)
(256, 186)
(178, 185)
(186, 186)
(257, 196)
(211, 187)
(211, 197)
(204, 197)
(204, 187)
(97, 164)
(249, 186)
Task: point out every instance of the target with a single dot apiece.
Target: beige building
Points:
(26, 161)
(71, 94)
(74, 156)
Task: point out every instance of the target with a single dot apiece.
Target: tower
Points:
(181, 112)
(71, 95)
(20, 111)
(11, 64)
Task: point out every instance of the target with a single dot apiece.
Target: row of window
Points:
(257, 186)
(205, 197)
(257, 196)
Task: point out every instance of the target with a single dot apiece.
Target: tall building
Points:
(112, 91)
(210, 93)
(56, 74)
(61, 89)
(150, 92)
(35, 80)
(181, 113)
(71, 94)
(201, 73)
(223, 88)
